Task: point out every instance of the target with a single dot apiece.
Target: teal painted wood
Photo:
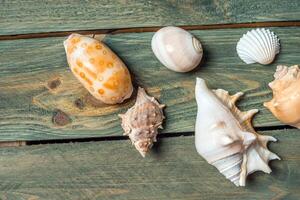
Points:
(111, 170)
(40, 98)
(19, 17)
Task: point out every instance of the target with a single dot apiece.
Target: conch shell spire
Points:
(142, 120)
(285, 104)
(225, 138)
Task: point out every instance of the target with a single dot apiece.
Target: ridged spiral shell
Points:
(142, 120)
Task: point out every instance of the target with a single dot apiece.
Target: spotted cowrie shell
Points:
(98, 69)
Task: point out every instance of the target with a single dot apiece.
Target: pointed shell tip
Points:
(143, 154)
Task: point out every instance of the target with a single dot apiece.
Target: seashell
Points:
(258, 46)
(98, 68)
(142, 120)
(225, 138)
(177, 49)
(285, 104)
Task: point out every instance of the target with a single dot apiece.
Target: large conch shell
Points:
(285, 104)
(98, 68)
(258, 46)
(225, 137)
(142, 120)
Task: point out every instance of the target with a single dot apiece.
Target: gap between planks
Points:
(152, 29)
(116, 138)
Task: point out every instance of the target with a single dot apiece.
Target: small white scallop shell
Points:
(177, 49)
(258, 46)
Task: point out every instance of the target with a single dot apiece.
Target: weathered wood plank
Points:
(37, 90)
(19, 17)
(115, 170)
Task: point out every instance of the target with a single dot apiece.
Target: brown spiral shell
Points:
(142, 120)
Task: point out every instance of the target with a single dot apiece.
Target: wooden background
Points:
(57, 142)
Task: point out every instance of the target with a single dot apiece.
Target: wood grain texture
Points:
(40, 98)
(19, 17)
(152, 29)
(115, 170)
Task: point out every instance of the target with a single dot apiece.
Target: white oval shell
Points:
(258, 46)
(177, 49)
(225, 138)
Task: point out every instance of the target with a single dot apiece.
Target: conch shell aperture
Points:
(285, 104)
(225, 138)
(98, 69)
(142, 120)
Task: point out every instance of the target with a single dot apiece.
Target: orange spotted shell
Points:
(98, 68)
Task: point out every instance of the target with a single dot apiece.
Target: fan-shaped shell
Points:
(98, 68)
(258, 46)
(142, 120)
(285, 104)
(225, 138)
(177, 49)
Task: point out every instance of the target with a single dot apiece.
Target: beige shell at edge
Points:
(225, 138)
(142, 120)
(98, 69)
(285, 104)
